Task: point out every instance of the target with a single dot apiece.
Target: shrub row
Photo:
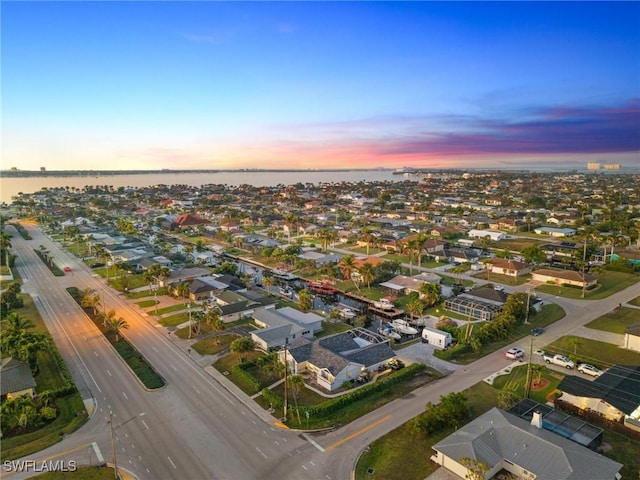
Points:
(452, 352)
(240, 372)
(69, 385)
(332, 405)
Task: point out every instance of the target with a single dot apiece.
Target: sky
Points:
(310, 85)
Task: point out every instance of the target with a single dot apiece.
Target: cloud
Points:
(542, 131)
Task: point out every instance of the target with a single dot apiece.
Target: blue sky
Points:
(322, 84)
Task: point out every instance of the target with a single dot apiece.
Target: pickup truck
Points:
(558, 359)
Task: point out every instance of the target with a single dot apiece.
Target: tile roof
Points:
(15, 376)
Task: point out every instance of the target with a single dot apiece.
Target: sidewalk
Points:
(600, 335)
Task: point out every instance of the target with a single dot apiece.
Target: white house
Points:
(632, 337)
(283, 326)
(492, 234)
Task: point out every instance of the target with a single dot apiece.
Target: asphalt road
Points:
(196, 428)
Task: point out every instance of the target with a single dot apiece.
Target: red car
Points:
(67, 269)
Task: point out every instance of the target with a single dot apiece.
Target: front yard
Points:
(616, 321)
(608, 283)
(600, 354)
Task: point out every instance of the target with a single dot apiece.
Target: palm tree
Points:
(106, 317)
(15, 324)
(214, 320)
(295, 384)
(89, 298)
(415, 308)
(367, 273)
(116, 324)
(305, 300)
(183, 290)
(431, 294)
(347, 265)
(368, 237)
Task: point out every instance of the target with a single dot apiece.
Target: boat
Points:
(282, 275)
(384, 304)
(387, 331)
(403, 327)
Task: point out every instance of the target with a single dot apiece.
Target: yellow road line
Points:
(359, 432)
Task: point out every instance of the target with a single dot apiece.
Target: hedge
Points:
(239, 371)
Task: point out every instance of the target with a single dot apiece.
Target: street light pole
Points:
(113, 446)
(189, 308)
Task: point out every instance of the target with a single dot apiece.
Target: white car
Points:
(589, 370)
(514, 354)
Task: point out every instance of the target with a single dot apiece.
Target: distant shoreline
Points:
(413, 171)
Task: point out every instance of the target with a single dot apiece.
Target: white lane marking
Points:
(148, 471)
(139, 457)
(304, 467)
(276, 442)
(327, 476)
(109, 373)
(312, 442)
(125, 395)
(147, 426)
(261, 453)
(312, 463)
(196, 390)
(172, 366)
(154, 349)
(171, 462)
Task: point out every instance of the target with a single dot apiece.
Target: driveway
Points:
(423, 352)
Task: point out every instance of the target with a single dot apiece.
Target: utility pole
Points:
(528, 384)
(286, 369)
(189, 307)
(526, 315)
(113, 446)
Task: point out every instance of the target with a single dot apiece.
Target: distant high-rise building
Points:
(612, 166)
(593, 166)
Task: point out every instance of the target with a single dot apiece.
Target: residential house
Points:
(241, 304)
(511, 268)
(332, 361)
(555, 232)
(504, 441)
(615, 394)
(403, 285)
(16, 379)
(491, 234)
(187, 221)
(504, 224)
(283, 327)
(480, 304)
(564, 277)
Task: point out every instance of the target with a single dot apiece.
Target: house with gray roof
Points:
(240, 304)
(16, 379)
(615, 394)
(507, 442)
(283, 326)
(339, 358)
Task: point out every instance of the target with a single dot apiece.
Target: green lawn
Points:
(608, 284)
(211, 346)
(173, 320)
(172, 308)
(616, 321)
(549, 314)
(330, 328)
(146, 303)
(600, 354)
(82, 473)
(403, 454)
(503, 279)
(518, 378)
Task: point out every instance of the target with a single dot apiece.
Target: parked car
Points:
(558, 359)
(589, 370)
(499, 288)
(514, 354)
(537, 331)
(539, 352)
(67, 269)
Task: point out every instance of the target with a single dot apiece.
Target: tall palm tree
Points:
(367, 273)
(117, 324)
(89, 298)
(305, 300)
(106, 317)
(431, 294)
(347, 265)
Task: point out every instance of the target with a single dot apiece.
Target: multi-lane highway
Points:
(196, 428)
